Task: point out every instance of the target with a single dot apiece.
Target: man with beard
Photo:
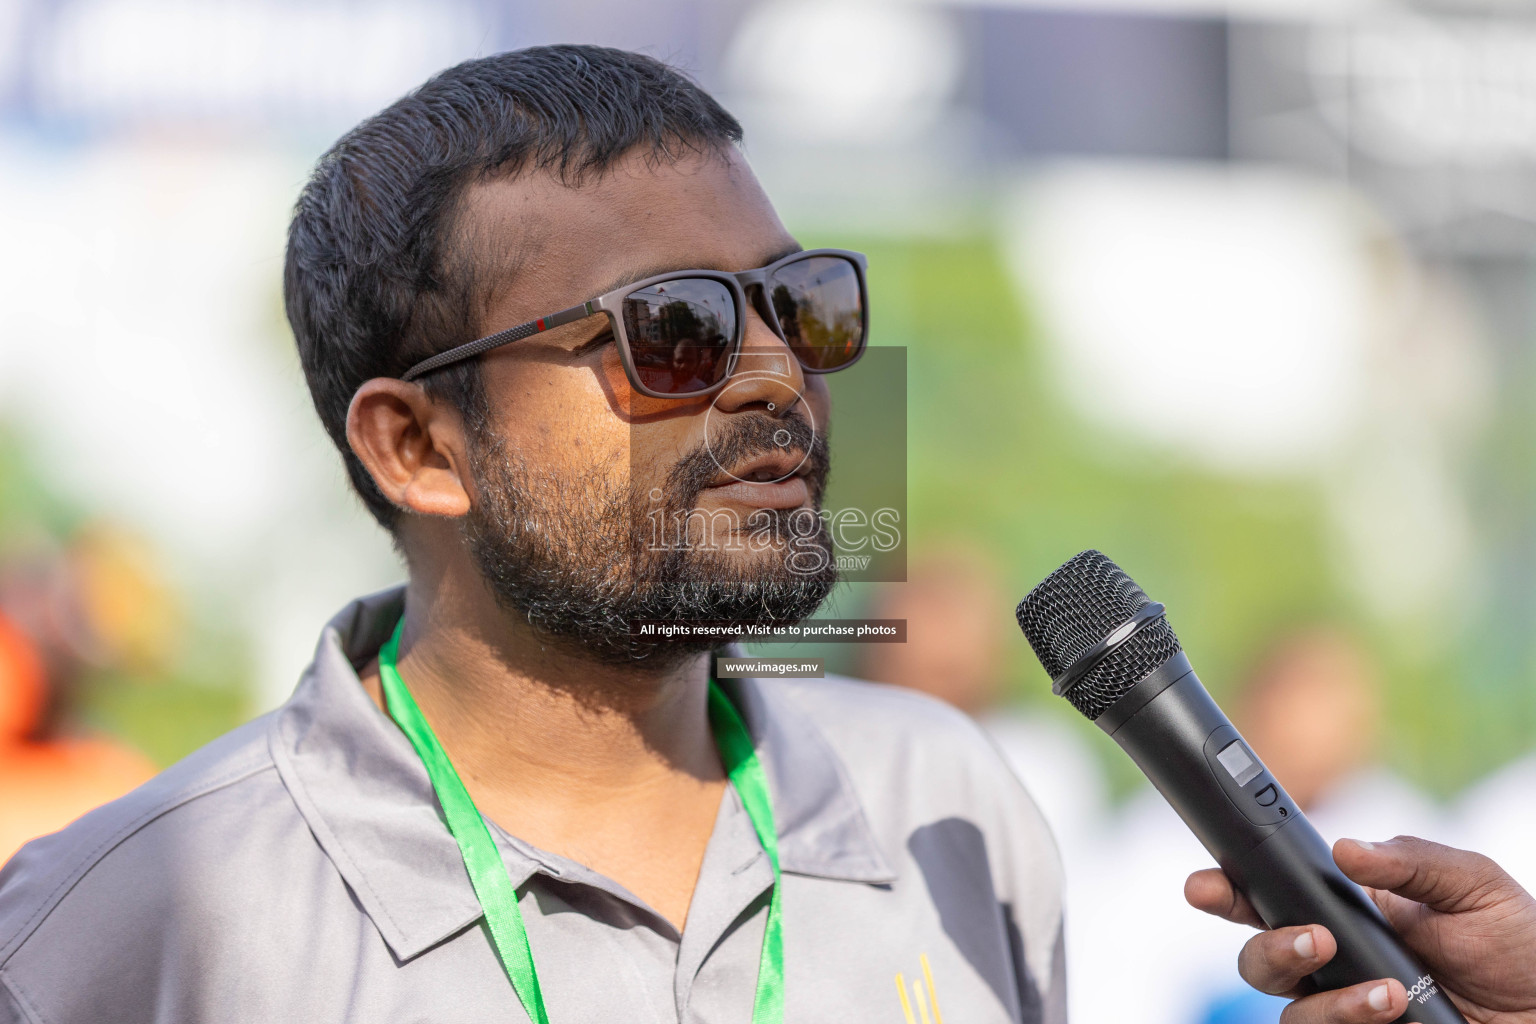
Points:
(573, 362)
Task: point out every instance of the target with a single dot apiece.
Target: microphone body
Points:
(1176, 734)
(1152, 704)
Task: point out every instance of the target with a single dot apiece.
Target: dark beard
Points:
(579, 560)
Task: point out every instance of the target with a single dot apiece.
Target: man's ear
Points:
(413, 447)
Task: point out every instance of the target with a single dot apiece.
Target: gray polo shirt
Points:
(298, 869)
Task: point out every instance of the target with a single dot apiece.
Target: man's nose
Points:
(766, 374)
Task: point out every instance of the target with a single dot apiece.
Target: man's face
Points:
(595, 506)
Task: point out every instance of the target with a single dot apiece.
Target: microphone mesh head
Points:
(1076, 607)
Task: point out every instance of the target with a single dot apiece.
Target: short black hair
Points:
(373, 281)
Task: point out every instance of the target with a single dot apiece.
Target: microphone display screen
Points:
(1235, 759)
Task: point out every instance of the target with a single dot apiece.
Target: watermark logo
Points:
(857, 536)
(773, 365)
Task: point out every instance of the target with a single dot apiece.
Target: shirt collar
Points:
(369, 803)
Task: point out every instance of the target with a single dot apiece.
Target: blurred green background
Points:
(997, 458)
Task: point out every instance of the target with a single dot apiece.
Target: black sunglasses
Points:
(679, 334)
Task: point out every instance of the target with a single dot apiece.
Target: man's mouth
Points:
(775, 479)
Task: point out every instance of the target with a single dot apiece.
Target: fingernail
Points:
(1305, 946)
(1379, 998)
(1363, 844)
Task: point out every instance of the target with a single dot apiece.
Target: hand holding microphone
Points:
(1472, 924)
(1110, 651)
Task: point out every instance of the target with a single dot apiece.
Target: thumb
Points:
(1441, 877)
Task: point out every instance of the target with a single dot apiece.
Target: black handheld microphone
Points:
(1110, 651)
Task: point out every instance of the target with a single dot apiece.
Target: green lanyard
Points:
(488, 875)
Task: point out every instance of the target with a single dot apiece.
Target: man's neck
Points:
(614, 767)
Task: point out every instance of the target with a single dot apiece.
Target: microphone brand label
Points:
(1423, 989)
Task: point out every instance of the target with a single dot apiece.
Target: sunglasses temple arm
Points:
(566, 316)
(469, 350)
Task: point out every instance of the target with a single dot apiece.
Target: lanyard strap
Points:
(488, 875)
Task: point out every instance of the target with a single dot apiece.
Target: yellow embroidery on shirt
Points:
(901, 990)
(933, 995)
(922, 1002)
(924, 996)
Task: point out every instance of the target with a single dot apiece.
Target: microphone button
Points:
(1267, 796)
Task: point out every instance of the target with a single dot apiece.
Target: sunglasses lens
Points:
(821, 310)
(680, 334)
